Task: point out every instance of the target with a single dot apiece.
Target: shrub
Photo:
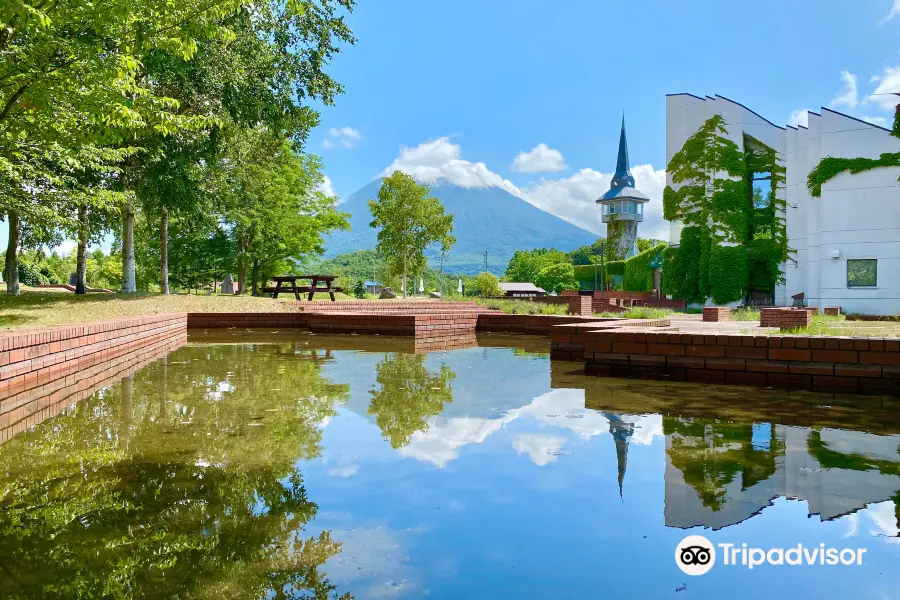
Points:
(487, 285)
(30, 275)
(556, 278)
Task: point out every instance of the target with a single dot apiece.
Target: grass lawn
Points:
(839, 326)
(40, 308)
(523, 307)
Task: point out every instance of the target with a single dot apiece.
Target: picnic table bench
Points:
(288, 283)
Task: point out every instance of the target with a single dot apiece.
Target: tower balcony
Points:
(606, 218)
(622, 210)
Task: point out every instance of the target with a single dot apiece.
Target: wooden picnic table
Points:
(311, 289)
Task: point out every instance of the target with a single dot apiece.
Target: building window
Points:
(862, 273)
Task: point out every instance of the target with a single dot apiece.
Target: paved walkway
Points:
(695, 324)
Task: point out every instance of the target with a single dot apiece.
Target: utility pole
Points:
(443, 254)
(484, 254)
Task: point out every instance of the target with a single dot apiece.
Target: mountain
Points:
(484, 219)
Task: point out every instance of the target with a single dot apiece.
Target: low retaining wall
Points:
(28, 357)
(531, 324)
(27, 407)
(578, 305)
(567, 341)
(826, 364)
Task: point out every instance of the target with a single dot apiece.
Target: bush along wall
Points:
(638, 274)
(735, 235)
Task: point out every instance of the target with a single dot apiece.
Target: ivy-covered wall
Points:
(735, 237)
(635, 272)
(830, 167)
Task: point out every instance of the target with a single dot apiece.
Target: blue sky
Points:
(436, 88)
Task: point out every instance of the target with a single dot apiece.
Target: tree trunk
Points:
(129, 278)
(242, 268)
(12, 258)
(404, 276)
(81, 255)
(255, 274)
(164, 251)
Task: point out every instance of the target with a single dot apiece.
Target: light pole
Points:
(443, 254)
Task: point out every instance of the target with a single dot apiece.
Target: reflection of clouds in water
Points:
(373, 563)
(878, 520)
(540, 448)
(347, 471)
(563, 409)
(439, 444)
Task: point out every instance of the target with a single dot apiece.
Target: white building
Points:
(854, 226)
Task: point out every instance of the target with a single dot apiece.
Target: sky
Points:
(528, 95)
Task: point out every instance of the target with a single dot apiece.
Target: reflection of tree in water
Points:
(710, 454)
(407, 394)
(178, 483)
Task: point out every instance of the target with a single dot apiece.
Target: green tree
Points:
(487, 285)
(409, 220)
(408, 393)
(273, 204)
(556, 278)
(359, 289)
(525, 265)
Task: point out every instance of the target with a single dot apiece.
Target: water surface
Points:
(261, 464)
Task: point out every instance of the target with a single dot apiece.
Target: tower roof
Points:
(622, 185)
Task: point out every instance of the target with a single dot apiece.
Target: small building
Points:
(374, 287)
(521, 290)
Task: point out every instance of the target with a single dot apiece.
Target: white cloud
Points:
(542, 449)
(849, 94)
(439, 160)
(347, 471)
(799, 117)
(895, 10)
(570, 198)
(888, 84)
(343, 137)
(326, 187)
(540, 159)
(881, 121)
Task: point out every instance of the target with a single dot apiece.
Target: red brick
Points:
(811, 368)
(880, 358)
(690, 362)
(606, 358)
(892, 345)
(714, 351)
(666, 349)
(789, 354)
(744, 352)
(648, 360)
(843, 356)
(629, 348)
(726, 364)
(594, 346)
(855, 370)
(768, 366)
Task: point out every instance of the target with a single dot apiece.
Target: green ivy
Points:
(830, 167)
(763, 257)
(680, 271)
(728, 273)
(638, 274)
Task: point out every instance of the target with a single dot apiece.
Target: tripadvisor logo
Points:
(696, 555)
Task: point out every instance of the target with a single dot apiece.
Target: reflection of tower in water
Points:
(621, 430)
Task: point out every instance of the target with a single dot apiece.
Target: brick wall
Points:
(567, 341)
(786, 317)
(28, 356)
(826, 364)
(531, 324)
(714, 314)
(25, 407)
(578, 305)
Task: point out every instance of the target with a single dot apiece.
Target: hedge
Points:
(638, 274)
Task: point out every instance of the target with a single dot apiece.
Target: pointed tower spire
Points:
(621, 430)
(623, 177)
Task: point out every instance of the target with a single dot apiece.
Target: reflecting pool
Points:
(258, 464)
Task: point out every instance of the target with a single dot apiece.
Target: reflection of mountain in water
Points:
(719, 474)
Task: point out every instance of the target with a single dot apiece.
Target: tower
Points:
(621, 430)
(622, 205)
